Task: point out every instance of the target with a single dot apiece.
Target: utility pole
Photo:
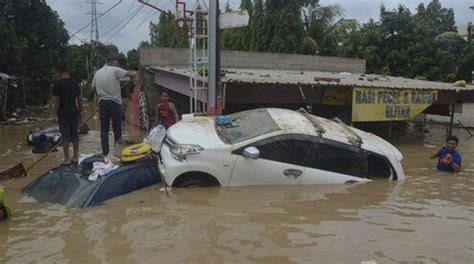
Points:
(214, 83)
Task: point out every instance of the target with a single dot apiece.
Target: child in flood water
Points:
(166, 113)
(449, 159)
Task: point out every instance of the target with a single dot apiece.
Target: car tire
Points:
(194, 183)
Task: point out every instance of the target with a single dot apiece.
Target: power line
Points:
(101, 15)
(123, 24)
(136, 28)
(116, 25)
(71, 36)
(129, 20)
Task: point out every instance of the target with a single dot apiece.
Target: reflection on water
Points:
(426, 219)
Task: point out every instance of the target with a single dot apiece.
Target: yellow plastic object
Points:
(135, 152)
(2, 201)
(137, 149)
(461, 83)
(2, 194)
(127, 159)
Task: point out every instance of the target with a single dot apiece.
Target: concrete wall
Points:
(252, 60)
(147, 81)
(463, 112)
(467, 115)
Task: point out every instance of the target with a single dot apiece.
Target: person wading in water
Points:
(449, 159)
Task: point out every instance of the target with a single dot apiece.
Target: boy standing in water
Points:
(449, 159)
(166, 113)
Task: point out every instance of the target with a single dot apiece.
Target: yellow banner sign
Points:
(337, 96)
(374, 104)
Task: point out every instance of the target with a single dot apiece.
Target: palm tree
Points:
(323, 24)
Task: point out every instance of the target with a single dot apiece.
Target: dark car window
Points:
(292, 151)
(378, 167)
(290, 148)
(65, 186)
(335, 159)
(247, 125)
(124, 180)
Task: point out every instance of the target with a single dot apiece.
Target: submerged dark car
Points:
(69, 186)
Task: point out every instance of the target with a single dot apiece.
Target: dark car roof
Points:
(71, 187)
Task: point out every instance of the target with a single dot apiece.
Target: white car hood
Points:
(378, 144)
(201, 131)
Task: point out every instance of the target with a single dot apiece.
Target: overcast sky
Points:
(127, 24)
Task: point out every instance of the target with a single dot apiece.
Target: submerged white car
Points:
(273, 147)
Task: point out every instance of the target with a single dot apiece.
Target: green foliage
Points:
(247, 5)
(144, 44)
(133, 59)
(32, 40)
(284, 37)
(78, 59)
(466, 65)
(237, 38)
(227, 7)
(422, 45)
(167, 33)
(310, 46)
(323, 25)
(257, 24)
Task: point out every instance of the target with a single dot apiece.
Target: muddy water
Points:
(429, 218)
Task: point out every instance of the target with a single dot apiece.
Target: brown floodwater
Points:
(428, 218)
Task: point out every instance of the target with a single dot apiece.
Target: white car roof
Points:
(201, 130)
(291, 121)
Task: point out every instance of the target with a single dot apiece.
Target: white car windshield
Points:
(246, 125)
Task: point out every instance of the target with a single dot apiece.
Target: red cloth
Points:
(166, 115)
(132, 110)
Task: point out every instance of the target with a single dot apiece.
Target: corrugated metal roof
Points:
(323, 79)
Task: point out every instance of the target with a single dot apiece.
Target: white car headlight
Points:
(180, 151)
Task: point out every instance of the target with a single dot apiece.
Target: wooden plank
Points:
(13, 172)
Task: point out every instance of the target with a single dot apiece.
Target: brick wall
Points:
(252, 60)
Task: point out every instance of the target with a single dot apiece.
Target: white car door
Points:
(330, 164)
(279, 162)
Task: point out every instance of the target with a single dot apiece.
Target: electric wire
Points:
(128, 21)
(139, 25)
(122, 23)
(113, 27)
(136, 28)
(101, 15)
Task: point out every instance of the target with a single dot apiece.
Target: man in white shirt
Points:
(106, 82)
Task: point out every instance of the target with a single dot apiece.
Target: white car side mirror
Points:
(251, 153)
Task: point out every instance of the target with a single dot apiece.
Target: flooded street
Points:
(429, 218)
